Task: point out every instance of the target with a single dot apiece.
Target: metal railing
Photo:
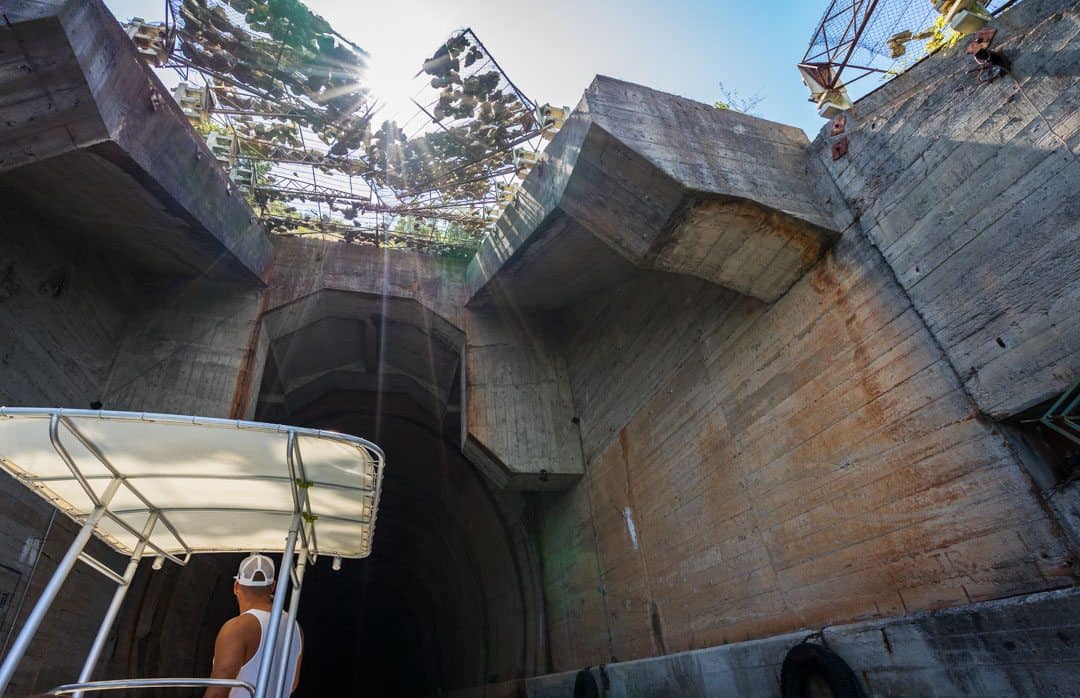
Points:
(125, 684)
(294, 560)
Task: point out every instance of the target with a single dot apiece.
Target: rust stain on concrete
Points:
(245, 379)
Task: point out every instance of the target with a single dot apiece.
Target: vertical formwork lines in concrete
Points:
(893, 278)
(599, 567)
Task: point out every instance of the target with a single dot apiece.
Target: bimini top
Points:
(216, 485)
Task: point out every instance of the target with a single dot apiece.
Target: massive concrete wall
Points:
(625, 183)
(83, 114)
(623, 345)
(186, 350)
(626, 188)
(63, 308)
(752, 470)
(302, 267)
(814, 463)
(969, 191)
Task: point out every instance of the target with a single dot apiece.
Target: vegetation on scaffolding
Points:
(285, 63)
(431, 236)
(480, 117)
(279, 71)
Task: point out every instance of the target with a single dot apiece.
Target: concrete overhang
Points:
(642, 179)
(92, 141)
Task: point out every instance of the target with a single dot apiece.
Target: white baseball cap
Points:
(256, 571)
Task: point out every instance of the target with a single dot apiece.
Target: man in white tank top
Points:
(239, 647)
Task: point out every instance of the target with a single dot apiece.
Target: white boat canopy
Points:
(176, 486)
(217, 485)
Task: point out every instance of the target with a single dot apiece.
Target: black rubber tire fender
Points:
(806, 660)
(585, 685)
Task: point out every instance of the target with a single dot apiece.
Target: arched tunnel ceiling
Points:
(508, 406)
(452, 583)
(345, 341)
(450, 597)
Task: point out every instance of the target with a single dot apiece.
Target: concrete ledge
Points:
(640, 178)
(1023, 646)
(303, 266)
(83, 115)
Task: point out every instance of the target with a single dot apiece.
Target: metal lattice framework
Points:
(1063, 416)
(173, 486)
(858, 38)
(287, 113)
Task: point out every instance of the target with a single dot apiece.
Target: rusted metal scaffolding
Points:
(856, 39)
(307, 184)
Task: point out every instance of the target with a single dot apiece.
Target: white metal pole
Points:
(294, 604)
(263, 681)
(117, 602)
(33, 621)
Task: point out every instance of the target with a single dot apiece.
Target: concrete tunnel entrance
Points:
(448, 598)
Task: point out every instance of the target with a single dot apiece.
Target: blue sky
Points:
(553, 48)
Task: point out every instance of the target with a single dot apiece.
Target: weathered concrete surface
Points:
(755, 469)
(364, 320)
(185, 350)
(63, 310)
(641, 178)
(302, 267)
(813, 463)
(81, 114)
(520, 425)
(969, 191)
(650, 325)
(1018, 647)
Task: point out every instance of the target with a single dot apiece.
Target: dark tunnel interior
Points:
(447, 599)
(412, 618)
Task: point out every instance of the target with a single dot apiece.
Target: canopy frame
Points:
(302, 530)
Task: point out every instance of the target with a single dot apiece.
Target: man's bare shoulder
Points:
(244, 626)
